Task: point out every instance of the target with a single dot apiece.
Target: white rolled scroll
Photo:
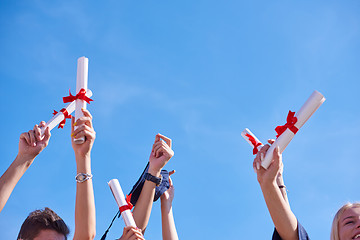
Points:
(120, 200)
(305, 112)
(81, 82)
(247, 134)
(56, 119)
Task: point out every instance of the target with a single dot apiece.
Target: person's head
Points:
(43, 224)
(346, 223)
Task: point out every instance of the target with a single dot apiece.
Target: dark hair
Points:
(42, 219)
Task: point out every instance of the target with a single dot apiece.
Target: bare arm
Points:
(85, 222)
(30, 145)
(160, 154)
(167, 217)
(277, 203)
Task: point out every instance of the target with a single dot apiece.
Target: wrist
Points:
(154, 171)
(83, 164)
(166, 204)
(24, 159)
(268, 184)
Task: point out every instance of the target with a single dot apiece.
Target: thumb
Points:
(277, 156)
(171, 172)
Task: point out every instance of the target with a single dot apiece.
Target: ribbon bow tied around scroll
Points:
(290, 124)
(129, 206)
(81, 95)
(66, 115)
(254, 143)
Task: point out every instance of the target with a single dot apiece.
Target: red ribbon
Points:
(81, 95)
(290, 124)
(254, 143)
(66, 115)
(129, 206)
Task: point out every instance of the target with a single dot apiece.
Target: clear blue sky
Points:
(196, 71)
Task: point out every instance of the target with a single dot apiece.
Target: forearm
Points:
(168, 223)
(11, 177)
(142, 210)
(85, 223)
(281, 185)
(283, 218)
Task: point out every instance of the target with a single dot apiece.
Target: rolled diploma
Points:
(56, 119)
(81, 82)
(305, 112)
(120, 200)
(247, 131)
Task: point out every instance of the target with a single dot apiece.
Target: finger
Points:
(256, 160)
(32, 138)
(277, 156)
(171, 172)
(47, 135)
(82, 128)
(86, 113)
(159, 151)
(264, 149)
(42, 124)
(85, 133)
(166, 139)
(158, 146)
(157, 138)
(72, 125)
(170, 181)
(26, 136)
(271, 141)
(131, 232)
(83, 120)
(156, 143)
(126, 231)
(37, 133)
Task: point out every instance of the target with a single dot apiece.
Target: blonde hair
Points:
(334, 235)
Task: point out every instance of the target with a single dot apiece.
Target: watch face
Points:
(81, 177)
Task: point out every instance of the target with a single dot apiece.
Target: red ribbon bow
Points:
(290, 124)
(81, 95)
(66, 115)
(254, 143)
(129, 206)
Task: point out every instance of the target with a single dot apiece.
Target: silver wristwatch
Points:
(82, 177)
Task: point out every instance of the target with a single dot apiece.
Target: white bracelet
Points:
(82, 177)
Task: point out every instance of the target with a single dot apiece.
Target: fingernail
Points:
(74, 124)
(72, 134)
(262, 156)
(254, 169)
(34, 144)
(258, 166)
(278, 148)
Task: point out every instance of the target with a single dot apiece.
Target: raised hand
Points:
(160, 154)
(168, 196)
(31, 143)
(84, 128)
(275, 169)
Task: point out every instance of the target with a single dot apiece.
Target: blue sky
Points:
(196, 71)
